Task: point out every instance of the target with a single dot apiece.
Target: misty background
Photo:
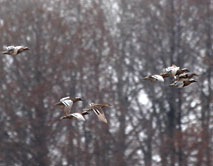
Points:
(101, 50)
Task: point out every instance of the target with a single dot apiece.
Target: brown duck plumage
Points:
(76, 115)
(68, 102)
(14, 50)
(97, 109)
(173, 71)
(185, 76)
(181, 84)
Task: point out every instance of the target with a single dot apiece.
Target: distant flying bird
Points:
(185, 76)
(97, 109)
(181, 76)
(14, 50)
(79, 116)
(67, 102)
(181, 84)
(173, 70)
(155, 77)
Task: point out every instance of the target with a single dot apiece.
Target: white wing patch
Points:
(78, 116)
(68, 104)
(100, 114)
(64, 98)
(10, 47)
(173, 69)
(158, 78)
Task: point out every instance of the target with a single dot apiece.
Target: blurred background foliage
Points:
(101, 50)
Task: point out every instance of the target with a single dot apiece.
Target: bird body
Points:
(68, 102)
(173, 70)
(187, 75)
(79, 116)
(181, 84)
(184, 76)
(14, 50)
(97, 109)
(181, 76)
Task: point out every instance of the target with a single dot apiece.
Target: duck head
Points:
(194, 74)
(26, 48)
(75, 99)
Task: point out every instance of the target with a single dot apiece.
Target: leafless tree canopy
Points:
(101, 50)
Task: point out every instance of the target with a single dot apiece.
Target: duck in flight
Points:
(171, 71)
(76, 115)
(67, 103)
(182, 83)
(14, 50)
(98, 110)
(185, 76)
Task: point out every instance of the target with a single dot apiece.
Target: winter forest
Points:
(102, 50)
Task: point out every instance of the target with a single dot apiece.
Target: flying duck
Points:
(14, 50)
(185, 76)
(79, 116)
(97, 109)
(173, 70)
(181, 84)
(67, 102)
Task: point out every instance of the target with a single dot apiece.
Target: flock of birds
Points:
(181, 78)
(67, 102)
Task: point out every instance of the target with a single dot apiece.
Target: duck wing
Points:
(155, 77)
(9, 50)
(177, 84)
(172, 67)
(100, 114)
(10, 47)
(67, 106)
(172, 70)
(78, 116)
